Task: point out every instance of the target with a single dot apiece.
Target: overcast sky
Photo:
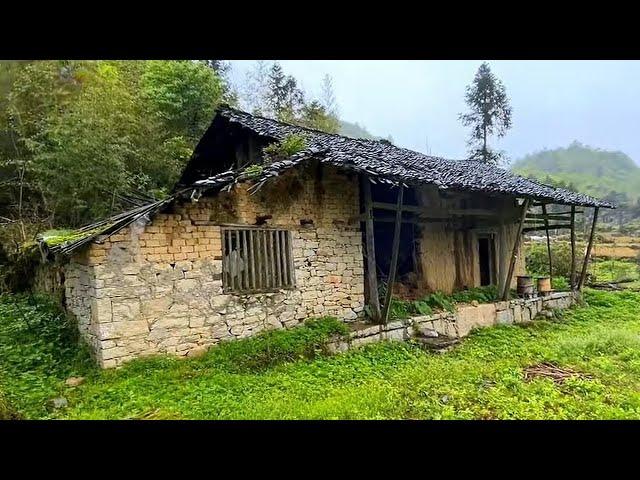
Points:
(418, 102)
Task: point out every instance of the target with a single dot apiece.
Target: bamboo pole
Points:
(514, 253)
(583, 274)
(372, 278)
(573, 248)
(546, 226)
(394, 256)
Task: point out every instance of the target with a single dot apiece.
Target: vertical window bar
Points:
(265, 250)
(253, 262)
(274, 272)
(291, 262)
(245, 259)
(276, 235)
(237, 261)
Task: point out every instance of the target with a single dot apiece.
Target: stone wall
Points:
(157, 288)
(457, 324)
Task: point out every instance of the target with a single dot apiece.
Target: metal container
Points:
(525, 286)
(544, 285)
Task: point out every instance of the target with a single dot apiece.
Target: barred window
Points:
(256, 260)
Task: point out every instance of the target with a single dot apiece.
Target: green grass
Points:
(439, 301)
(481, 378)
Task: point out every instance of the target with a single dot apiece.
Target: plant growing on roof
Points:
(253, 171)
(288, 146)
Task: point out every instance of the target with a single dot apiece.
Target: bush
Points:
(39, 349)
(276, 347)
(537, 258)
(290, 145)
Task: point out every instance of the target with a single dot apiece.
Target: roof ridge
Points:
(314, 130)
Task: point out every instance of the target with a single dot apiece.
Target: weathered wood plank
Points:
(583, 274)
(394, 256)
(542, 229)
(573, 249)
(278, 259)
(372, 277)
(546, 225)
(238, 257)
(445, 212)
(514, 253)
(251, 234)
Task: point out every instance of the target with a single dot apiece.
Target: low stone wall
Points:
(459, 323)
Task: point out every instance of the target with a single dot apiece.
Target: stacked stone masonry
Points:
(157, 288)
(459, 323)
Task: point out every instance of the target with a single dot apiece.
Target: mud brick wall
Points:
(157, 288)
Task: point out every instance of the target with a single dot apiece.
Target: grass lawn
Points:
(286, 375)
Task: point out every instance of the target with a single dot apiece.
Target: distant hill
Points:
(355, 130)
(589, 170)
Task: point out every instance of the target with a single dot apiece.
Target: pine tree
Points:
(284, 99)
(490, 113)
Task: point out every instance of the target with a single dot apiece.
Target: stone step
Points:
(439, 343)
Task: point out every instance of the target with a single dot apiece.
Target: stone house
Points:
(248, 242)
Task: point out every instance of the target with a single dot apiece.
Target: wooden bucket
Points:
(544, 285)
(525, 286)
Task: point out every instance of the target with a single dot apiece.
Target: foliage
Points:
(614, 270)
(441, 302)
(489, 113)
(290, 145)
(480, 379)
(275, 347)
(253, 171)
(537, 258)
(583, 168)
(39, 349)
(76, 135)
(314, 115)
(270, 92)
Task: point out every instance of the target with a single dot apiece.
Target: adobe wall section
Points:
(157, 288)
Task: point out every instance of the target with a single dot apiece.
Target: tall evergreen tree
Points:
(489, 113)
(285, 99)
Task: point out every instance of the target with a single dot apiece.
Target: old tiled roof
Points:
(382, 160)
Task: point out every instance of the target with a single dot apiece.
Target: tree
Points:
(327, 97)
(490, 113)
(77, 136)
(285, 99)
(314, 115)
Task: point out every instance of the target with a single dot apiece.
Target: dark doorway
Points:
(486, 256)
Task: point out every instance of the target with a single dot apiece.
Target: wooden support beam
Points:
(372, 277)
(394, 256)
(583, 274)
(442, 213)
(573, 249)
(546, 226)
(541, 228)
(514, 253)
(547, 216)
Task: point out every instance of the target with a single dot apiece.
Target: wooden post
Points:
(573, 248)
(589, 245)
(546, 226)
(394, 256)
(372, 277)
(514, 253)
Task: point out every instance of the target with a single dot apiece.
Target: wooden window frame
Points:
(268, 253)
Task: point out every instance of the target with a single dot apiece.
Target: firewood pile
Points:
(553, 372)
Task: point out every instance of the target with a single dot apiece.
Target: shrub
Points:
(537, 258)
(290, 145)
(275, 347)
